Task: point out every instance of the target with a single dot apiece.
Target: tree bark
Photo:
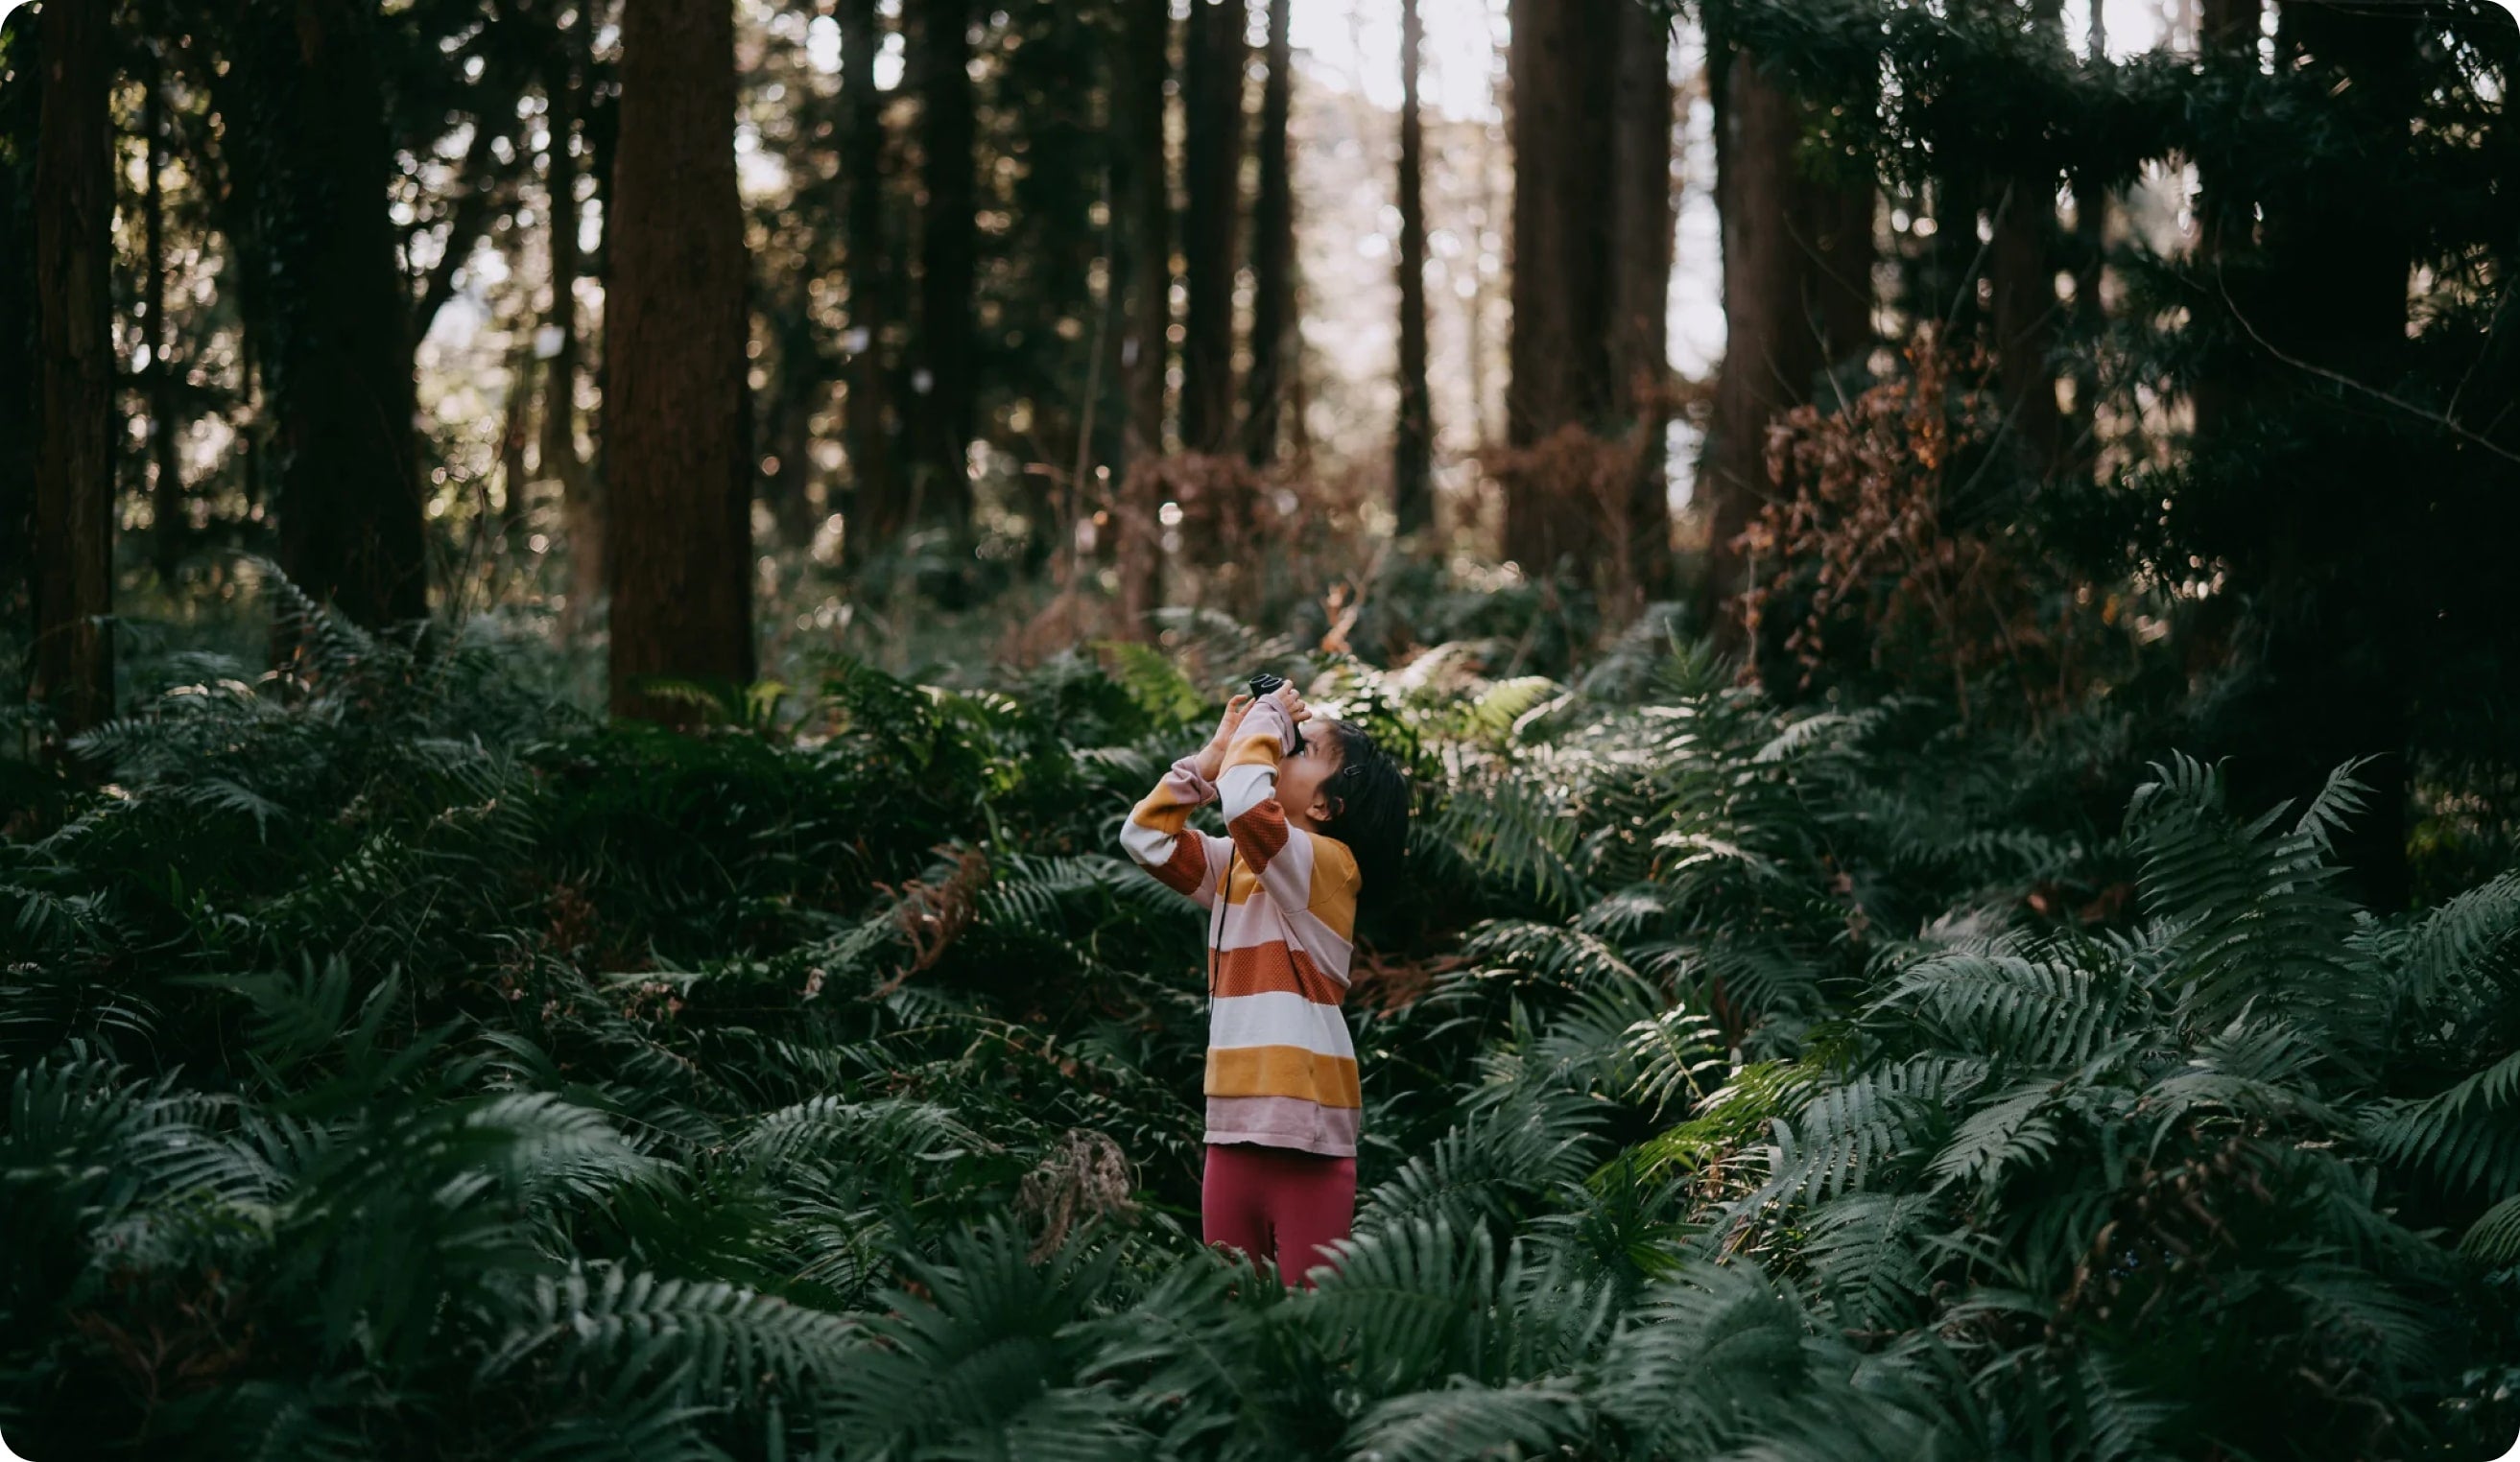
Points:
(1562, 247)
(1797, 297)
(1273, 252)
(1413, 497)
(878, 510)
(2092, 205)
(2228, 36)
(167, 528)
(555, 455)
(2022, 266)
(2331, 681)
(1642, 226)
(1145, 235)
(1212, 159)
(792, 411)
(949, 249)
(309, 147)
(681, 555)
(73, 578)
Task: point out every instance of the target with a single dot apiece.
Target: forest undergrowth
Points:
(404, 1064)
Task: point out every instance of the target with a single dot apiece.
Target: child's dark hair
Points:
(1368, 797)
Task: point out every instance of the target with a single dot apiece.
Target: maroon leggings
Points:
(1277, 1203)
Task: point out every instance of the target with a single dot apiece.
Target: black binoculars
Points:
(1262, 684)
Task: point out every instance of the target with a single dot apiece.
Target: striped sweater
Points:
(1280, 1068)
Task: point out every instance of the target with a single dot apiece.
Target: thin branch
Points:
(2322, 372)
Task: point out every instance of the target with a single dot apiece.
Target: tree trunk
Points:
(1562, 247)
(2336, 644)
(167, 528)
(681, 554)
(1212, 158)
(2022, 266)
(879, 511)
(556, 457)
(21, 365)
(1641, 228)
(1273, 252)
(308, 143)
(789, 432)
(2091, 251)
(1797, 297)
(73, 579)
(2228, 36)
(1413, 497)
(949, 249)
(1145, 224)
(1145, 234)
(501, 523)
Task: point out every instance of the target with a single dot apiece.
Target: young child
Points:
(1309, 833)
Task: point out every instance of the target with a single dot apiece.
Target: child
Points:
(1308, 832)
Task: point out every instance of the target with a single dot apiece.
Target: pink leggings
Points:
(1278, 1202)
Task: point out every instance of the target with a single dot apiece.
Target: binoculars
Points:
(1262, 684)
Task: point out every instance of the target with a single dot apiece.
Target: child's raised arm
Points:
(1320, 911)
(1159, 836)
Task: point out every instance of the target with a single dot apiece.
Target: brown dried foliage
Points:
(171, 1339)
(931, 916)
(1085, 1176)
(1863, 545)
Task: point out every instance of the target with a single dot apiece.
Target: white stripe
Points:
(1259, 921)
(1279, 1017)
(1244, 787)
(1151, 846)
(1319, 940)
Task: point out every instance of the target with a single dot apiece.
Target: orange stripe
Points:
(1260, 832)
(1261, 968)
(1335, 885)
(1159, 810)
(1187, 868)
(1283, 1071)
(1254, 750)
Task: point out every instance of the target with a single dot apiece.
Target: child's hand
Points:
(1291, 702)
(1211, 757)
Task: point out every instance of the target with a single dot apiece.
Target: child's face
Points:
(1301, 776)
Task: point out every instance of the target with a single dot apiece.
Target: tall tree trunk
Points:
(949, 249)
(789, 432)
(1797, 297)
(1641, 228)
(73, 579)
(167, 512)
(1145, 224)
(1412, 494)
(513, 436)
(1145, 234)
(2091, 251)
(1563, 245)
(681, 554)
(21, 365)
(556, 456)
(2335, 644)
(308, 143)
(1956, 261)
(878, 510)
(1212, 159)
(2022, 265)
(2227, 37)
(601, 120)
(1272, 252)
